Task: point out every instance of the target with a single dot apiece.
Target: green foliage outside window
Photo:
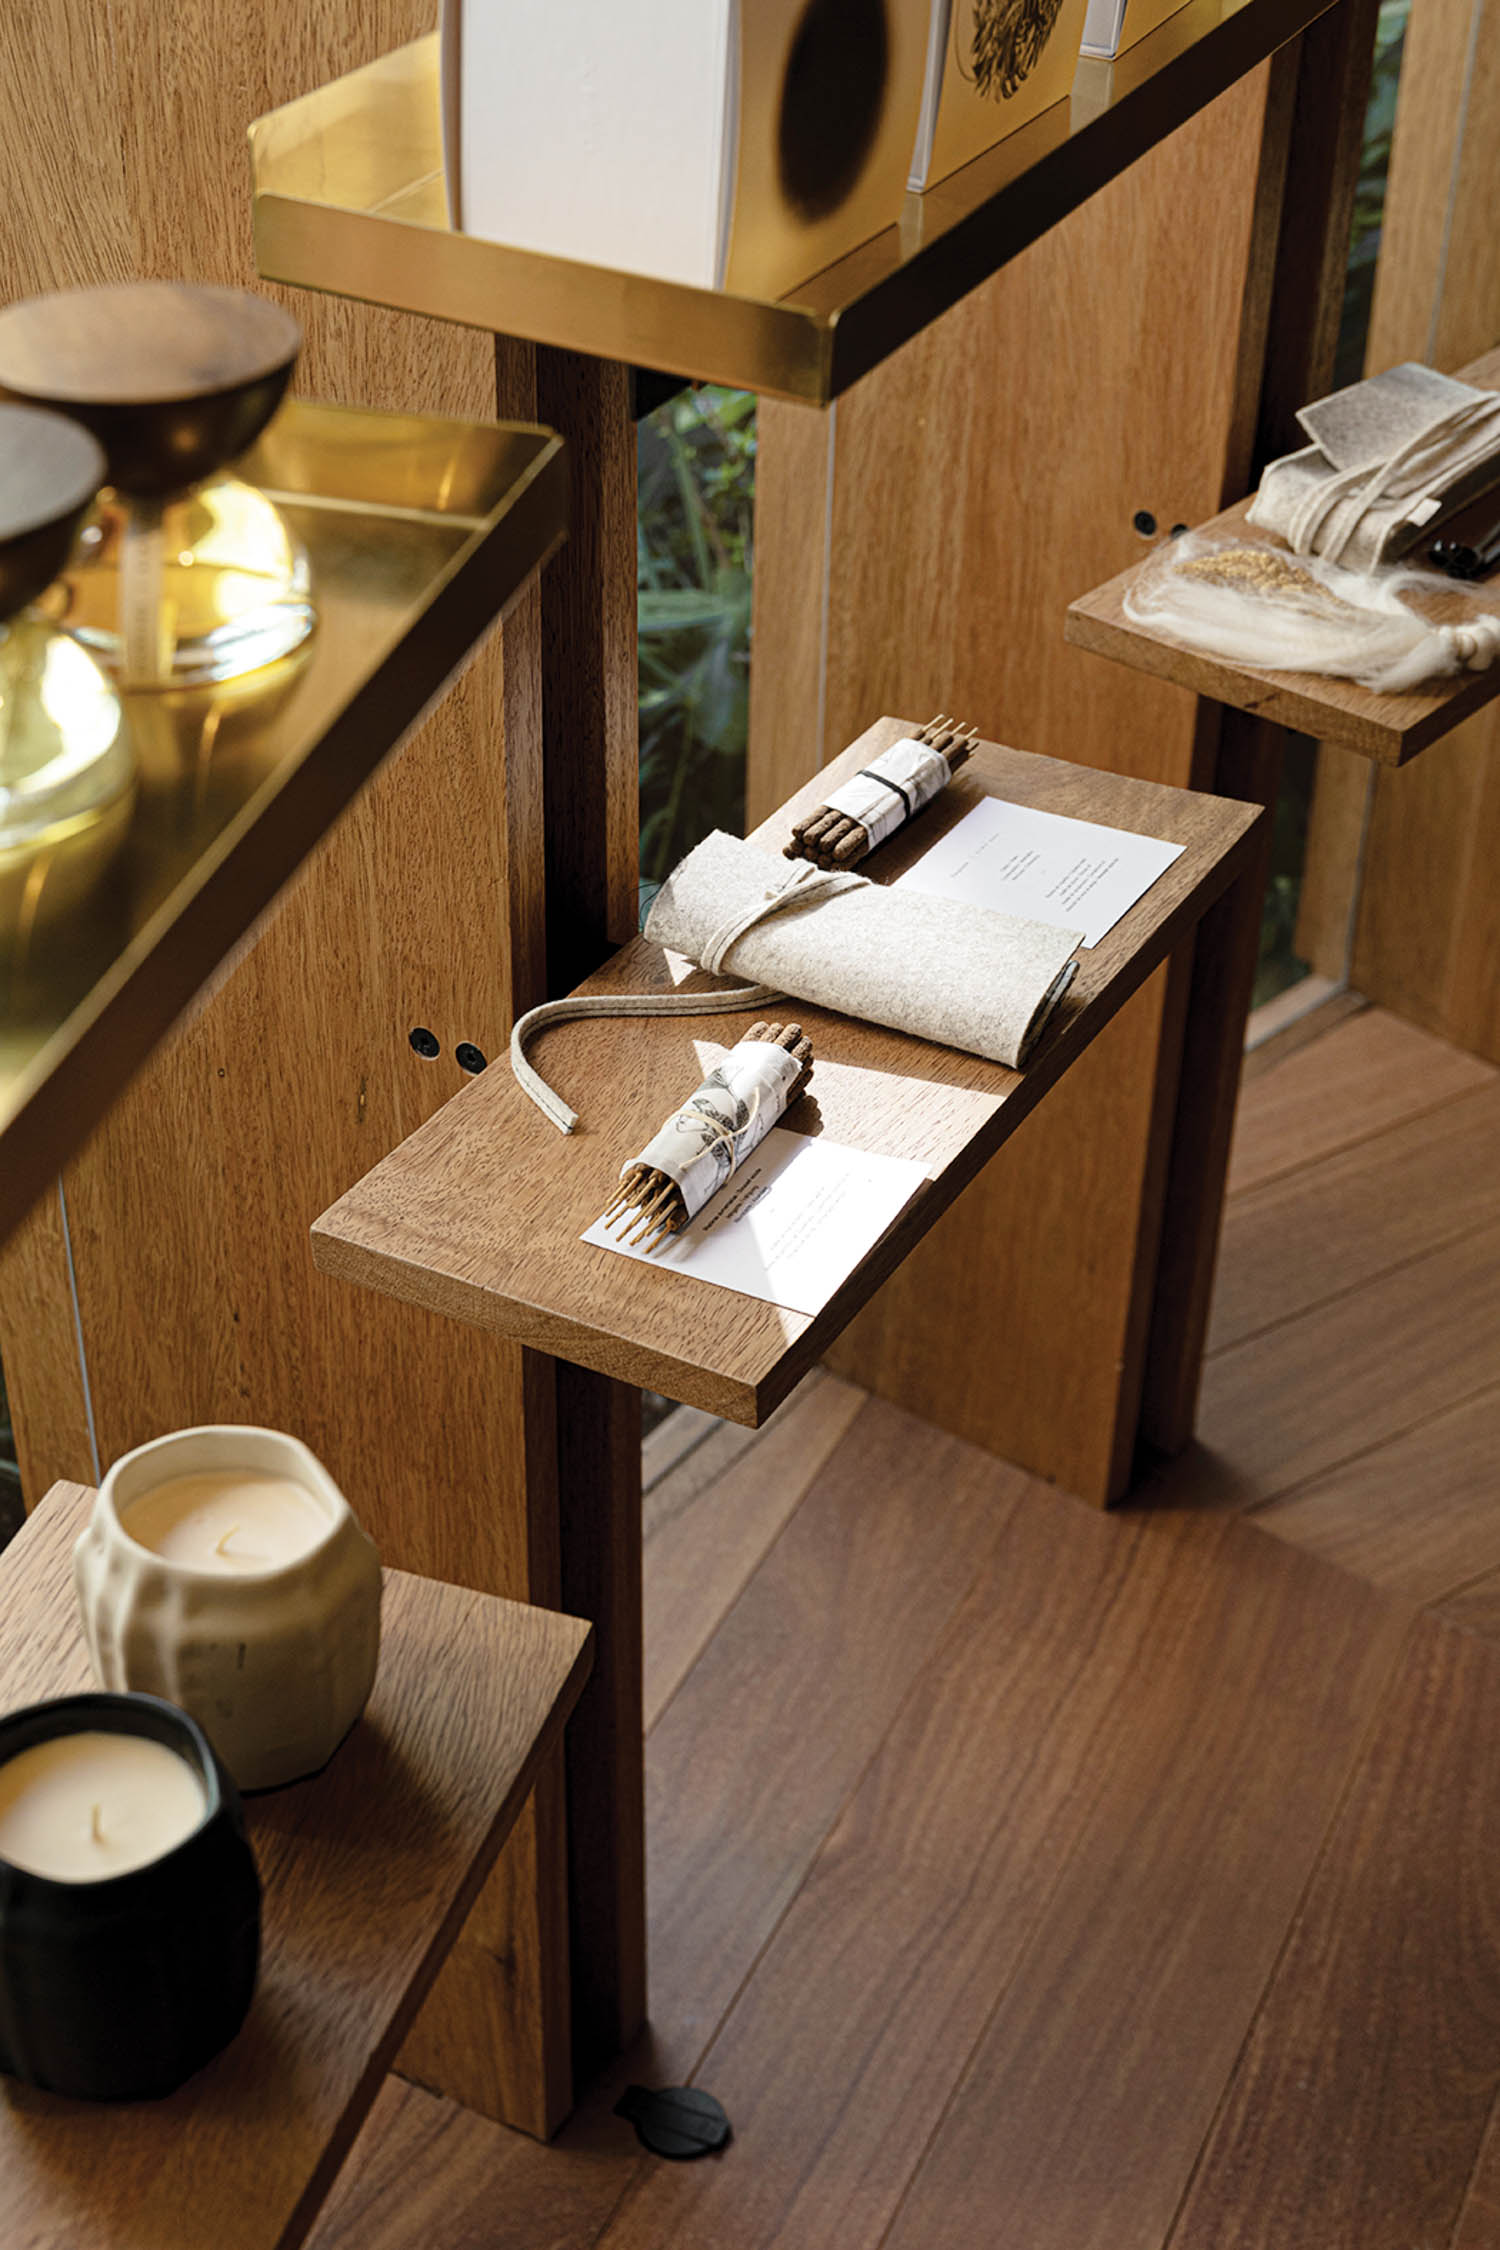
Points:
(696, 461)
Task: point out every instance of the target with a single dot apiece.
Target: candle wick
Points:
(95, 1830)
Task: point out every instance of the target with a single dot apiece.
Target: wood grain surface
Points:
(1413, 273)
(917, 555)
(1267, 1403)
(1417, 1514)
(1388, 728)
(1191, 1148)
(1437, 283)
(1376, 1074)
(1319, 1232)
(1392, 1953)
(1332, 863)
(479, 1214)
(367, 1869)
(706, 1533)
(197, 1299)
(1138, 1747)
(840, 1620)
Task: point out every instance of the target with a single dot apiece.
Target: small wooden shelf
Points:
(419, 531)
(1388, 728)
(350, 196)
(368, 1870)
(478, 1214)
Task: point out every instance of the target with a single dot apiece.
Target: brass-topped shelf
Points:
(350, 197)
(478, 1215)
(1390, 729)
(419, 530)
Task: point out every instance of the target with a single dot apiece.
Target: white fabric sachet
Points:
(716, 1128)
(1390, 458)
(941, 969)
(892, 788)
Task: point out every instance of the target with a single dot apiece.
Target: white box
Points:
(726, 143)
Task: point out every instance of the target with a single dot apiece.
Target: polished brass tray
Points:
(418, 530)
(350, 197)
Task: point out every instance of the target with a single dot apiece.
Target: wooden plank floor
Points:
(1028, 1877)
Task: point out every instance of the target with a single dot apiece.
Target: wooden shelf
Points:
(368, 1870)
(419, 531)
(350, 197)
(478, 1214)
(1388, 728)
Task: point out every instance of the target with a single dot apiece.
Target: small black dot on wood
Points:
(425, 1043)
(469, 1057)
(1145, 522)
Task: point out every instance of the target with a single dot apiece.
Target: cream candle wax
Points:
(129, 1899)
(83, 1807)
(224, 1570)
(228, 1519)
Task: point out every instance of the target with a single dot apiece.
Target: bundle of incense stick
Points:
(876, 801)
(719, 1129)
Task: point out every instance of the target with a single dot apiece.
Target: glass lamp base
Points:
(65, 751)
(182, 593)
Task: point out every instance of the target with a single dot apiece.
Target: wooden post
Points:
(1326, 75)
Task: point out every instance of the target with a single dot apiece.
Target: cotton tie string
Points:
(803, 887)
(1370, 486)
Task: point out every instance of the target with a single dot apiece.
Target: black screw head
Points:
(1145, 522)
(424, 1043)
(469, 1057)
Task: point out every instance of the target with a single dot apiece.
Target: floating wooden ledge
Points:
(368, 1870)
(1388, 728)
(479, 1214)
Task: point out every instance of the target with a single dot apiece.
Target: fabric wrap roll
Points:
(938, 968)
(892, 787)
(731, 1113)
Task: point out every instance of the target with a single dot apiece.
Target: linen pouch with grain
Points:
(1391, 459)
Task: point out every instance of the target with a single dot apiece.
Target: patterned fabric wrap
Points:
(731, 1113)
(892, 788)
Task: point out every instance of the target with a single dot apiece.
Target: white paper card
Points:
(790, 1225)
(1073, 874)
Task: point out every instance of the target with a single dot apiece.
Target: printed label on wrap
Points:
(731, 1113)
(892, 787)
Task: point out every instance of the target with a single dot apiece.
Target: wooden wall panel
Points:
(122, 153)
(979, 480)
(1425, 923)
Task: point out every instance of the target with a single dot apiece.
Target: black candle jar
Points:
(119, 1989)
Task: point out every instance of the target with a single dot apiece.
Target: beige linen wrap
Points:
(939, 968)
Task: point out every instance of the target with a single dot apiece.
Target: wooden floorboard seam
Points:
(1389, 1130)
(1337, 1810)
(1311, 1162)
(1318, 1305)
(1327, 1469)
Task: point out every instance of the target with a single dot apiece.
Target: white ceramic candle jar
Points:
(224, 1570)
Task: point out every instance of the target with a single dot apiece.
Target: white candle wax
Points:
(84, 1806)
(228, 1520)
